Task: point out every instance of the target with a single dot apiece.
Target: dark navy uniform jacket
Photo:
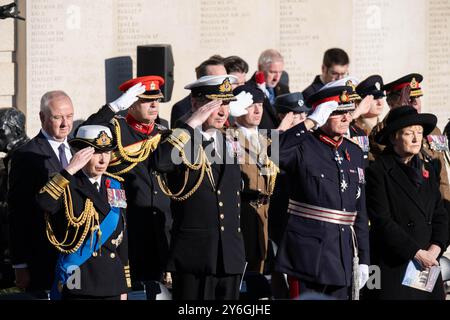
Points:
(104, 273)
(206, 233)
(317, 251)
(148, 212)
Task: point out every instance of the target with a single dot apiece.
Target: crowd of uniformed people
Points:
(308, 193)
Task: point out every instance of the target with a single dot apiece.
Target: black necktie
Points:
(97, 186)
(210, 145)
(62, 156)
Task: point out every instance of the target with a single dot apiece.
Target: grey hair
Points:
(268, 57)
(49, 96)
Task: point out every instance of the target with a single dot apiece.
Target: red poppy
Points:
(425, 173)
(108, 183)
(347, 155)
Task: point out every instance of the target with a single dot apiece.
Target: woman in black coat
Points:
(408, 221)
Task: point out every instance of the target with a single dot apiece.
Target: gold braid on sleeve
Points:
(55, 187)
(87, 221)
(127, 275)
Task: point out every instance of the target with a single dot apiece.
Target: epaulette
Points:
(178, 138)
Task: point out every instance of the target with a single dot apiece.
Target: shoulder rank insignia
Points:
(438, 143)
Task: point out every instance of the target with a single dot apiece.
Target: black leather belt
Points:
(255, 196)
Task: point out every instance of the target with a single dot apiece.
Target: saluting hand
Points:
(80, 159)
(322, 113)
(203, 113)
(128, 98)
(287, 122)
(363, 107)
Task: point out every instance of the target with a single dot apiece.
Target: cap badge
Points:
(225, 86)
(378, 85)
(344, 97)
(300, 103)
(103, 139)
(152, 86)
(414, 84)
(351, 84)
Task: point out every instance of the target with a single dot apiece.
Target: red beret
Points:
(152, 86)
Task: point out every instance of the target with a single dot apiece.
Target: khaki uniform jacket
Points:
(257, 188)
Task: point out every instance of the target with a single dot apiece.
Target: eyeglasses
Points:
(142, 100)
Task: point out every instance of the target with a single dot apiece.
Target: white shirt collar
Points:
(93, 180)
(55, 145)
(208, 134)
(51, 138)
(53, 141)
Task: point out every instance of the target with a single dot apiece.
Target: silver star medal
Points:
(344, 185)
(338, 158)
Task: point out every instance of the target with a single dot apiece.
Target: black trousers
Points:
(315, 291)
(188, 286)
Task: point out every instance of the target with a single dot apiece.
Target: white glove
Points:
(363, 275)
(322, 113)
(239, 107)
(128, 98)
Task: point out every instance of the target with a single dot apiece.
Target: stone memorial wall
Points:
(87, 47)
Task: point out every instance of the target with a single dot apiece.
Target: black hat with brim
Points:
(373, 85)
(257, 94)
(403, 117)
(413, 80)
(291, 102)
(345, 96)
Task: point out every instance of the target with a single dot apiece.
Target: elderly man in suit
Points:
(270, 69)
(31, 167)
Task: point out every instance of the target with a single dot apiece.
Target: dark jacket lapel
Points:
(403, 182)
(47, 152)
(270, 111)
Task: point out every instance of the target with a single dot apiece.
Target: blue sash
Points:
(108, 225)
